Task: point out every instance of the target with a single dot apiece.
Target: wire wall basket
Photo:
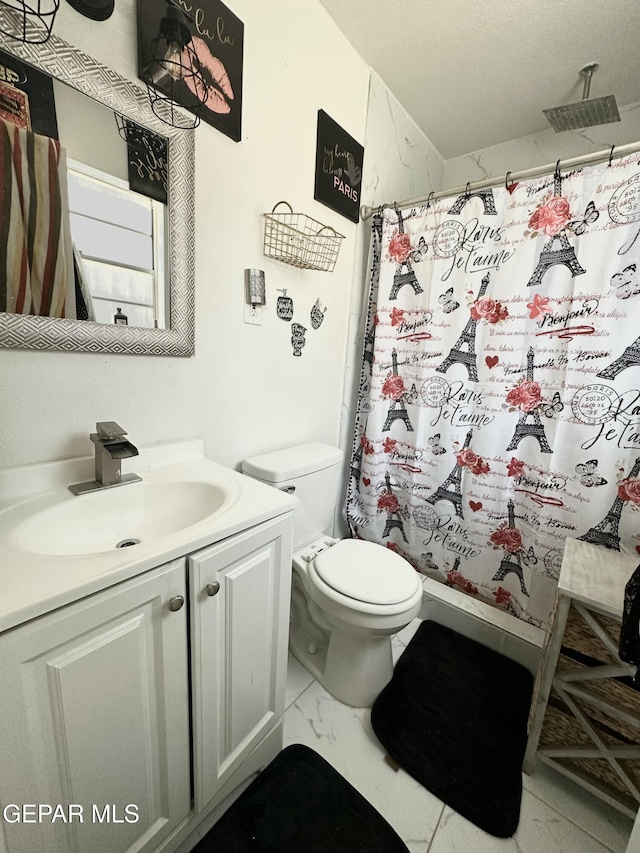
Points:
(299, 240)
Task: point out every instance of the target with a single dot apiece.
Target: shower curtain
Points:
(499, 404)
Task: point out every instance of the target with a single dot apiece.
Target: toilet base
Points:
(353, 669)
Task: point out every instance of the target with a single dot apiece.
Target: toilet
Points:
(348, 597)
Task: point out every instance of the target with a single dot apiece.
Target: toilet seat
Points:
(367, 574)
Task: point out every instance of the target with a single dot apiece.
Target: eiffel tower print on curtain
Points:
(401, 278)
(394, 519)
(486, 196)
(629, 358)
(549, 257)
(529, 423)
(451, 489)
(467, 339)
(369, 344)
(356, 465)
(510, 563)
(397, 409)
(606, 532)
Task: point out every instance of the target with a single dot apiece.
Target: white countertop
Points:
(596, 576)
(34, 583)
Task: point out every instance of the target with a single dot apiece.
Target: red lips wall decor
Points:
(217, 37)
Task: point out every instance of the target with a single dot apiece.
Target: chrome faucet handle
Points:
(109, 430)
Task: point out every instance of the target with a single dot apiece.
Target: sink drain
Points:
(126, 543)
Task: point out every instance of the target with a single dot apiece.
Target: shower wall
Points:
(541, 148)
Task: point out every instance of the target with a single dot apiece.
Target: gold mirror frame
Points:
(75, 68)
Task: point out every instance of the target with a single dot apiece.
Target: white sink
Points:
(56, 547)
(119, 517)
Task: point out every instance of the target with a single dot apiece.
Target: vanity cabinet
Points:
(97, 709)
(94, 712)
(240, 592)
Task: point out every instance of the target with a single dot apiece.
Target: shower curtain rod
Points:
(586, 159)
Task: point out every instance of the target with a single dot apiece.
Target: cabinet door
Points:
(239, 593)
(94, 714)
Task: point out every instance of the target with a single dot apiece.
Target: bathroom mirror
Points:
(172, 302)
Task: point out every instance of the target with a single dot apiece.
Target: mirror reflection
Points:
(83, 206)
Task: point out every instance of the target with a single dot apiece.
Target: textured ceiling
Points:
(473, 74)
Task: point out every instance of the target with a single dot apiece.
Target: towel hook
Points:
(611, 155)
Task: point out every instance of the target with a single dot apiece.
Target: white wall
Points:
(243, 392)
(539, 149)
(89, 133)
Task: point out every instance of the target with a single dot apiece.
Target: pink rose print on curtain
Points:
(551, 216)
(458, 580)
(629, 490)
(488, 309)
(397, 316)
(515, 468)
(389, 445)
(400, 248)
(502, 596)
(388, 502)
(526, 395)
(539, 307)
(366, 445)
(507, 538)
(468, 459)
(393, 387)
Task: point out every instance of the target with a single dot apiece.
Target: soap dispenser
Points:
(120, 319)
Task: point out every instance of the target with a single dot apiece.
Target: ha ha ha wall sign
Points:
(338, 168)
(217, 38)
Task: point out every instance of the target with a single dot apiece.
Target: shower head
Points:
(584, 113)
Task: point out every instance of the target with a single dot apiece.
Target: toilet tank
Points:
(312, 473)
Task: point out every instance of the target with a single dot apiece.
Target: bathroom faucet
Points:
(111, 448)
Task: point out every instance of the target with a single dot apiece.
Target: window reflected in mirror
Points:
(119, 245)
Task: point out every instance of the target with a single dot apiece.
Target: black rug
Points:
(300, 804)
(454, 716)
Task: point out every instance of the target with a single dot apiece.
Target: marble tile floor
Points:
(556, 816)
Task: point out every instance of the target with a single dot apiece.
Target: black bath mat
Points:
(454, 716)
(300, 804)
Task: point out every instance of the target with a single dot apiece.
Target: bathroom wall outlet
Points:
(253, 314)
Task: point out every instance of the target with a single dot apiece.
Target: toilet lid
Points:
(367, 572)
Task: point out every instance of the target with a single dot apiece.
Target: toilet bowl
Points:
(348, 597)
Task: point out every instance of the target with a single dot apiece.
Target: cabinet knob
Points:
(212, 588)
(176, 602)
